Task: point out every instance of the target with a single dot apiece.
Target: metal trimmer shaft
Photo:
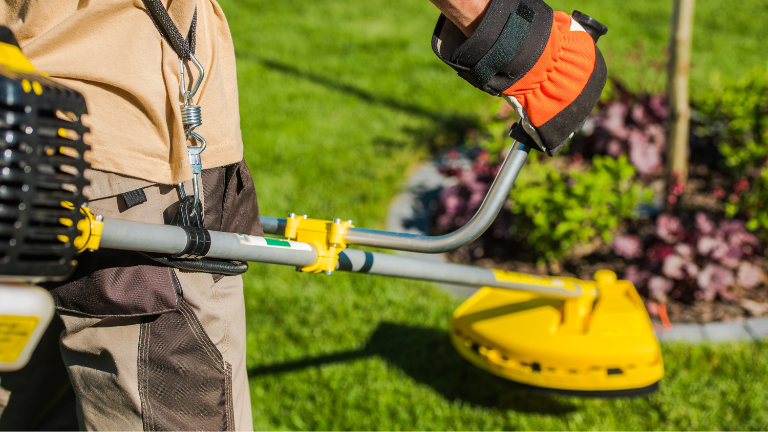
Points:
(167, 239)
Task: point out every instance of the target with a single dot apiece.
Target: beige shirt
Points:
(111, 52)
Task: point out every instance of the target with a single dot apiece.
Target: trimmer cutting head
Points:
(599, 344)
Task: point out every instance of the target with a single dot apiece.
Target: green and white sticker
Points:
(272, 242)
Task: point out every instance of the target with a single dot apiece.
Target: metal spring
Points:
(191, 117)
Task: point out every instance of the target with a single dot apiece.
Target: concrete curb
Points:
(410, 213)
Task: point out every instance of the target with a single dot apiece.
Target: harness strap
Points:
(168, 30)
(189, 216)
(503, 50)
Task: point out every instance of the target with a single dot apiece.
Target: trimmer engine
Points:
(41, 166)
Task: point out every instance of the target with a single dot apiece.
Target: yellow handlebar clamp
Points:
(326, 236)
(90, 228)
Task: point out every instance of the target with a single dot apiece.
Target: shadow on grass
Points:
(449, 127)
(428, 357)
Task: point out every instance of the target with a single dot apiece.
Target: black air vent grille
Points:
(41, 166)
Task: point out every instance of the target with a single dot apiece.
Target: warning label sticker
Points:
(15, 332)
(272, 242)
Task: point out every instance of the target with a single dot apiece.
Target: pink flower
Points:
(658, 105)
(728, 256)
(703, 223)
(645, 156)
(451, 200)
(614, 148)
(706, 245)
(668, 228)
(714, 279)
(741, 238)
(729, 226)
(639, 115)
(614, 120)
(475, 199)
(627, 247)
(684, 250)
(469, 180)
(658, 287)
(749, 275)
(638, 277)
(676, 267)
(656, 135)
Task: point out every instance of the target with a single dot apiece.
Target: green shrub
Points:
(561, 209)
(750, 200)
(737, 115)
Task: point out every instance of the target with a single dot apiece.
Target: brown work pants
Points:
(144, 346)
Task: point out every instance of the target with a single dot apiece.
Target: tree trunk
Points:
(677, 92)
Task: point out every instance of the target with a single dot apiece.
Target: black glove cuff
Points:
(507, 43)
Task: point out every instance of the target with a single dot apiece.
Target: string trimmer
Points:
(564, 334)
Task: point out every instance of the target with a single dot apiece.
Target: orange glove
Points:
(544, 63)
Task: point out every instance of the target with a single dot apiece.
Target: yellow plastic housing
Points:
(326, 236)
(25, 311)
(602, 341)
(90, 228)
(12, 58)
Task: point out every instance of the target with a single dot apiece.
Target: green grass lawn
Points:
(339, 99)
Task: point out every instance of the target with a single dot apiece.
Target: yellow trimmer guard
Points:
(601, 343)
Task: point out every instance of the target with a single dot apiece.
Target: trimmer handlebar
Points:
(465, 235)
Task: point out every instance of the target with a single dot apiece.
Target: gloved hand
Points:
(544, 63)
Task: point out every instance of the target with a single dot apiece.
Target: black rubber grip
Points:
(519, 134)
(591, 25)
(198, 243)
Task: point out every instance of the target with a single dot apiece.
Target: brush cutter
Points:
(564, 334)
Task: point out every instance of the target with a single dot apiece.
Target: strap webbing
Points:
(507, 45)
(183, 47)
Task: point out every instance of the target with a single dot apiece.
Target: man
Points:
(147, 346)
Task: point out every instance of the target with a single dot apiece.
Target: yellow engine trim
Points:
(12, 57)
(592, 343)
(90, 228)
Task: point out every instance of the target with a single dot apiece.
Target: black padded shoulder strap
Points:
(6, 36)
(171, 34)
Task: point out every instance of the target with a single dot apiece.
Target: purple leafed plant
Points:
(631, 124)
(460, 201)
(701, 261)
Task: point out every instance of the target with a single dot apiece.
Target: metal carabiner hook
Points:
(182, 82)
(191, 117)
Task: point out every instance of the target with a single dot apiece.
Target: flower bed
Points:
(695, 251)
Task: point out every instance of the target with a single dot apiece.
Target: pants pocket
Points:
(184, 381)
(111, 283)
(230, 200)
